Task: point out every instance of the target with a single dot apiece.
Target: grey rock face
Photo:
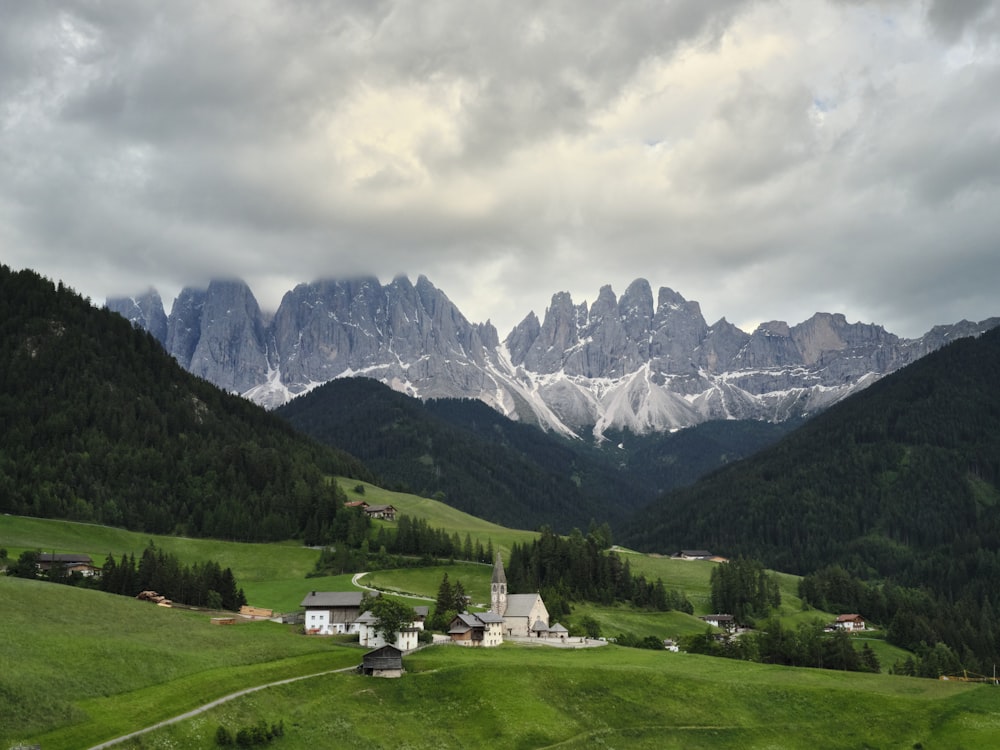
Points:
(219, 335)
(618, 363)
(145, 311)
(184, 325)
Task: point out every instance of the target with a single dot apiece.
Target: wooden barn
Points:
(386, 661)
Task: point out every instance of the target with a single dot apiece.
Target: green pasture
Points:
(78, 667)
(538, 697)
(249, 562)
(424, 582)
(77, 664)
(439, 516)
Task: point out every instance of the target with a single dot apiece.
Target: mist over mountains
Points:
(633, 362)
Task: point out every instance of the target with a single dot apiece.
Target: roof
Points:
(64, 557)
(557, 628)
(384, 657)
(717, 618)
(539, 626)
(422, 611)
(498, 573)
(849, 618)
(333, 599)
(695, 553)
(520, 605)
(378, 508)
(464, 621)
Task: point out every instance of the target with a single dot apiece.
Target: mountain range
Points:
(621, 363)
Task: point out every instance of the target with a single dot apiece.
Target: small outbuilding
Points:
(386, 661)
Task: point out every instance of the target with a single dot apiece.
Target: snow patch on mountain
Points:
(616, 364)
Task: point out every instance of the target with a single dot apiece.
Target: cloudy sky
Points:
(767, 159)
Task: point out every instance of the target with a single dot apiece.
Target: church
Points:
(524, 615)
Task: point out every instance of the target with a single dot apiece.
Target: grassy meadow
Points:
(537, 697)
(78, 667)
(438, 515)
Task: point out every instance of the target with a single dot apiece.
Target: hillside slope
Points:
(98, 423)
(899, 483)
(465, 454)
(910, 466)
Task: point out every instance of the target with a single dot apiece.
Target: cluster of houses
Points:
(513, 616)
(851, 623)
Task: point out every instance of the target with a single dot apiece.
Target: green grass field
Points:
(439, 516)
(535, 697)
(78, 667)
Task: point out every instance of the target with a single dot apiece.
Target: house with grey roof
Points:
(407, 638)
(332, 612)
(479, 630)
(67, 561)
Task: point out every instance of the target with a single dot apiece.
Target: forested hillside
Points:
(493, 468)
(477, 460)
(900, 482)
(98, 423)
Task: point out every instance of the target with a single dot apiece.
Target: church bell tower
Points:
(498, 588)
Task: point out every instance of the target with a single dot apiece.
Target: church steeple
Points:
(498, 588)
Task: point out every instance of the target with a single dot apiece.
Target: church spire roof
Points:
(498, 575)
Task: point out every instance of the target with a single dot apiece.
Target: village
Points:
(511, 617)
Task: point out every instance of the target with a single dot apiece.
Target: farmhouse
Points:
(331, 612)
(851, 623)
(693, 554)
(69, 562)
(726, 622)
(406, 638)
(524, 615)
(384, 512)
(386, 661)
(482, 630)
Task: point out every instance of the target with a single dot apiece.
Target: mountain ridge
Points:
(618, 363)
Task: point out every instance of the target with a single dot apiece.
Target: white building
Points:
(407, 639)
(331, 612)
(524, 615)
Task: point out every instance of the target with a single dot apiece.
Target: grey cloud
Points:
(169, 143)
(952, 17)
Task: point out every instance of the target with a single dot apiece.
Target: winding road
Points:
(213, 704)
(356, 580)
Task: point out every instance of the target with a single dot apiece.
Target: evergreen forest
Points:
(470, 456)
(99, 424)
(898, 486)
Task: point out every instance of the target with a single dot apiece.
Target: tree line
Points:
(204, 584)
(578, 568)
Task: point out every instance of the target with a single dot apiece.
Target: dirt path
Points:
(356, 580)
(213, 704)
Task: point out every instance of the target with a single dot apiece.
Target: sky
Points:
(766, 159)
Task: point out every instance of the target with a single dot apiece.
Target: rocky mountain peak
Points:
(618, 363)
(143, 310)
